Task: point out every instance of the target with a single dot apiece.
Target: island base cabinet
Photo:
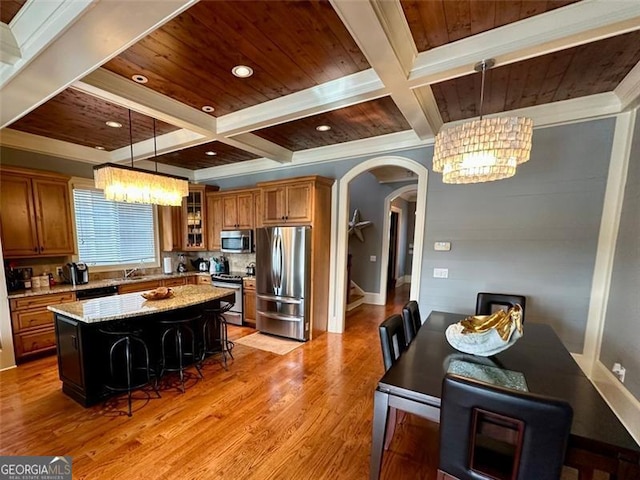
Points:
(79, 369)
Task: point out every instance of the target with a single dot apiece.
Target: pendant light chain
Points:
(131, 137)
(484, 70)
(155, 149)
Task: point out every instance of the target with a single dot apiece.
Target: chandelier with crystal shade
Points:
(121, 183)
(134, 185)
(482, 150)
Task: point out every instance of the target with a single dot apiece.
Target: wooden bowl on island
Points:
(159, 293)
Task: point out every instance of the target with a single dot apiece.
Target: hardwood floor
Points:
(304, 415)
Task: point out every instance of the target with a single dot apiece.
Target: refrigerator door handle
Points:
(275, 316)
(280, 261)
(275, 274)
(276, 298)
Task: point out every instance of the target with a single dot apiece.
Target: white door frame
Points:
(339, 234)
(384, 263)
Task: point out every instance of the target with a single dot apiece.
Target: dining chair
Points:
(487, 431)
(412, 320)
(488, 303)
(393, 343)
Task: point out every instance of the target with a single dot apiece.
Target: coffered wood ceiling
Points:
(364, 120)
(385, 73)
(435, 22)
(9, 8)
(76, 117)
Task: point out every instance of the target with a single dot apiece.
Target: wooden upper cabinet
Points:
(170, 221)
(238, 210)
(290, 201)
(35, 218)
(214, 221)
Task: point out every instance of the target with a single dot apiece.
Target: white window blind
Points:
(113, 233)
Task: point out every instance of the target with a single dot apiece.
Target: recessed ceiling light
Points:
(210, 153)
(323, 128)
(242, 71)
(98, 147)
(208, 108)
(113, 124)
(139, 78)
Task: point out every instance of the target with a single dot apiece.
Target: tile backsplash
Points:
(40, 266)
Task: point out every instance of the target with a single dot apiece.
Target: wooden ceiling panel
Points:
(576, 72)
(195, 158)
(291, 46)
(364, 120)
(437, 22)
(79, 118)
(9, 9)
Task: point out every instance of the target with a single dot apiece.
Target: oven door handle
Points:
(234, 286)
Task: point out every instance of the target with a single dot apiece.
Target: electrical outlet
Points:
(619, 371)
(373, 258)
(59, 271)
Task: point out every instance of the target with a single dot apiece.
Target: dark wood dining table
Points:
(598, 439)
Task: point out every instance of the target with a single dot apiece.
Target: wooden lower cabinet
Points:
(138, 286)
(175, 282)
(32, 323)
(249, 285)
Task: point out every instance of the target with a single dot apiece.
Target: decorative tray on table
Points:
(159, 293)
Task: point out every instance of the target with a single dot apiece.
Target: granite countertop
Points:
(119, 307)
(65, 287)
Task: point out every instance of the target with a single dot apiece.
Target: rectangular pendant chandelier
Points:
(134, 185)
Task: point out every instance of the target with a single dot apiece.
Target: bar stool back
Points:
(175, 333)
(214, 333)
(129, 367)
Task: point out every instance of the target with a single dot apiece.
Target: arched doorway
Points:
(337, 296)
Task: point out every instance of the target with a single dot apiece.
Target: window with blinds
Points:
(113, 233)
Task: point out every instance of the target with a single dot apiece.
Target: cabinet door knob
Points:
(42, 249)
(35, 249)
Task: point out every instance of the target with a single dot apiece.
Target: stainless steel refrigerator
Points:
(283, 281)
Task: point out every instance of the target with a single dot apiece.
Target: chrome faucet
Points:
(129, 272)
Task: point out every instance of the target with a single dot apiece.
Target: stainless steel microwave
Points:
(236, 241)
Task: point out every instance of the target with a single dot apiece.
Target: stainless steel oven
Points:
(222, 280)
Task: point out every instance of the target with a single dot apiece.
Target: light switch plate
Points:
(442, 246)
(373, 258)
(440, 273)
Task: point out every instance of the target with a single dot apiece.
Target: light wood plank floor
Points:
(304, 415)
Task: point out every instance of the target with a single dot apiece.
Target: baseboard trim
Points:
(373, 298)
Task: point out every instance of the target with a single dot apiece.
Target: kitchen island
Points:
(82, 355)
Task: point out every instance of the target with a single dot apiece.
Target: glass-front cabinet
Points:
(194, 215)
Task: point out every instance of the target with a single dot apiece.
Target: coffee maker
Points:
(76, 273)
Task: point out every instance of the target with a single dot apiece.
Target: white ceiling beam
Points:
(342, 92)
(99, 34)
(566, 27)
(35, 26)
(357, 148)
(259, 146)
(124, 92)
(49, 146)
(628, 91)
(10, 52)
(366, 28)
(166, 143)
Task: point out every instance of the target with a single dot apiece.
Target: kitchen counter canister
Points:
(130, 305)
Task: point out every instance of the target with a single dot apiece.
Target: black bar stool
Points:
(173, 335)
(129, 366)
(214, 333)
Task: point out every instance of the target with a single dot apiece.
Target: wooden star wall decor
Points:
(356, 225)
